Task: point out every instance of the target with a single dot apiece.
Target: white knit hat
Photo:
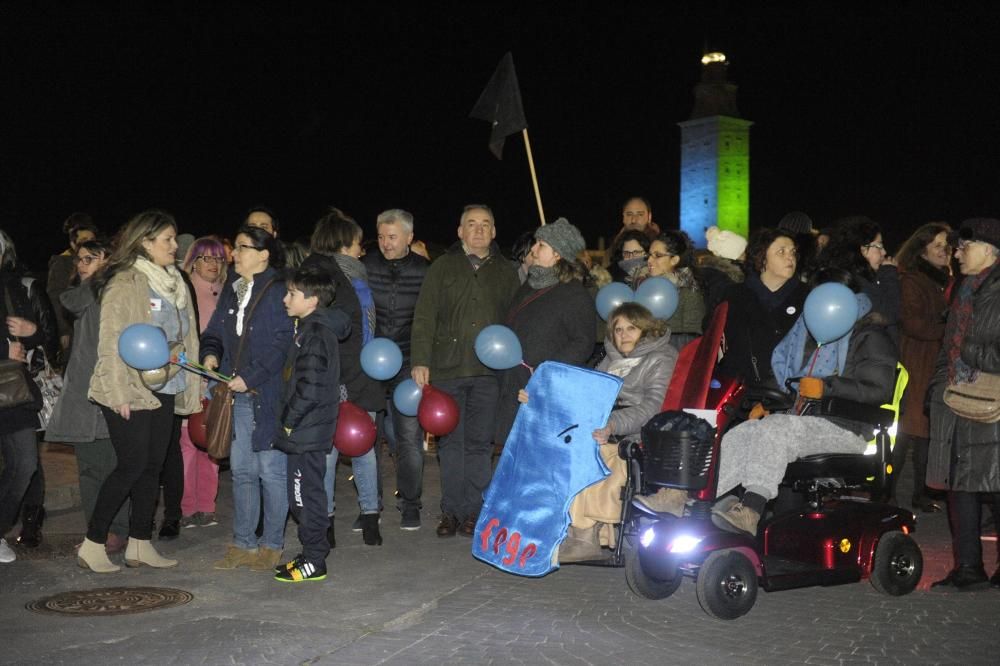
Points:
(724, 243)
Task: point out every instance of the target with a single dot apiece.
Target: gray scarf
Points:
(540, 277)
(353, 268)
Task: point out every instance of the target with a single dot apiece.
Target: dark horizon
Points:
(207, 109)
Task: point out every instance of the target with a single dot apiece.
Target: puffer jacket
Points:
(645, 386)
(395, 285)
(965, 455)
(125, 301)
(362, 390)
(312, 377)
(456, 302)
(267, 333)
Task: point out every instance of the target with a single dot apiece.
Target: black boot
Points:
(31, 526)
(369, 529)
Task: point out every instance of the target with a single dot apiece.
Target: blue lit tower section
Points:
(715, 157)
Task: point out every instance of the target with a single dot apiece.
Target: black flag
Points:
(500, 105)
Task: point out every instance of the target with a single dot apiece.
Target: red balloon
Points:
(438, 412)
(197, 430)
(355, 433)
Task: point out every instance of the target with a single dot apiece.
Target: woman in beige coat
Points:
(140, 284)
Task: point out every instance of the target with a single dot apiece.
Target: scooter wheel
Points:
(727, 585)
(642, 584)
(898, 564)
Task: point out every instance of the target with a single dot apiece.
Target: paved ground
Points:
(420, 599)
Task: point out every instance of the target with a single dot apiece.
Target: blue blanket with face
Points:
(549, 457)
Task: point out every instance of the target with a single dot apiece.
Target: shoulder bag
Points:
(219, 413)
(15, 388)
(978, 400)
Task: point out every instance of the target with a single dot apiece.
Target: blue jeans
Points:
(409, 454)
(365, 478)
(254, 473)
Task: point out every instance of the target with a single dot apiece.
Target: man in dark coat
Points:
(394, 276)
(465, 290)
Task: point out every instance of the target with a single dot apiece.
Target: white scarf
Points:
(165, 281)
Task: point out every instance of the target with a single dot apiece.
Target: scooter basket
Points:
(678, 450)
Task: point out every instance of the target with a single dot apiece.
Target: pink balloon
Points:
(438, 412)
(355, 433)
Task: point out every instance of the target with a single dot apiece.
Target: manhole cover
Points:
(111, 601)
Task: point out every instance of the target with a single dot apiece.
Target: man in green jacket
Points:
(466, 289)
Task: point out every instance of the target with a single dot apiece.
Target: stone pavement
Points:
(420, 599)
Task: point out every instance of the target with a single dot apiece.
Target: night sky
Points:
(206, 108)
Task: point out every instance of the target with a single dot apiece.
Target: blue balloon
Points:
(406, 397)
(659, 296)
(611, 296)
(830, 311)
(498, 347)
(381, 359)
(144, 347)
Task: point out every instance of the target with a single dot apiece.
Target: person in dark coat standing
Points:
(552, 314)
(924, 264)
(964, 456)
(395, 275)
(466, 289)
(763, 308)
(308, 414)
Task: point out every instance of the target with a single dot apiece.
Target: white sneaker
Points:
(6, 554)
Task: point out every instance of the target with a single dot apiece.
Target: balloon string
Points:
(531, 370)
(813, 364)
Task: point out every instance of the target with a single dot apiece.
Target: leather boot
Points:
(92, 556)
(139, 552)
(581, 544)
(369, 529)
(31, 526)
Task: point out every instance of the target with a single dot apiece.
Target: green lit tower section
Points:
(715, 157)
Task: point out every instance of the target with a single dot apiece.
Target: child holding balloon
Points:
(308, 413)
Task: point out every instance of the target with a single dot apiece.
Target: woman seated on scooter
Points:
(639, 351)
(860, 366)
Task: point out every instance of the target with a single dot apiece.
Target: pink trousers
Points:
(201, 477)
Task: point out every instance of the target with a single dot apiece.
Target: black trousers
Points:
(918, 446)
(140, 445)
(307, 503)
(965, 512)
(172, 476)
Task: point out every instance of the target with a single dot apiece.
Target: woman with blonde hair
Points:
(140, 284)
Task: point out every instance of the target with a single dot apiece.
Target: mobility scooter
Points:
(834, 537)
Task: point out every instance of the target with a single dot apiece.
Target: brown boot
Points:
(665, 500)
(236, 557)
(267, 559)
(581, 545)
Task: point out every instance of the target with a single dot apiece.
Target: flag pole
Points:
(534, 176)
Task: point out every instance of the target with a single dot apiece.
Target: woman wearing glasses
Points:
(205, 264)
(671, 256)
(857, 247)
(247, 339)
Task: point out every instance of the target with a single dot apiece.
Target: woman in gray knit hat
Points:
(552, 314)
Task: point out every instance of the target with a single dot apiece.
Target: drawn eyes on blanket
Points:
(568, 438)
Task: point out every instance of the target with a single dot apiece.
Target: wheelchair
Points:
(834, 537)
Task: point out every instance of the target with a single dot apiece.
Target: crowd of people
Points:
(287, 322)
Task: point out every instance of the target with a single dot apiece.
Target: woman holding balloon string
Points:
(552, 315)
(841, 349)
(671, 257)
(247, 338)
(140, 284)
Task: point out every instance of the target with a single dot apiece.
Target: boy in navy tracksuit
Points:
(309, 415)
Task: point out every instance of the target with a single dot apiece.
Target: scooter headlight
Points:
(647, 537)
(684, 544)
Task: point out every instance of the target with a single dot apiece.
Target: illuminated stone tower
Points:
(715, 157)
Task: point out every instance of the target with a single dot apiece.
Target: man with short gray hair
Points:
(395, 275)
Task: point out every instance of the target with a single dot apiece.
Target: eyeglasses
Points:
(241, 248)
(210, 258)
(660, 255)
(633, 254)
(86, 260)
(877, 246)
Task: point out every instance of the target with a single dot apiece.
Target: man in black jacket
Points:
(308, 410)
(395, 275)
